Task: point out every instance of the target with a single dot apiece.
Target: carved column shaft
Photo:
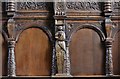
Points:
(109, 39)
(11, 40)
(11, 46)
(109, 62)
(11, 58)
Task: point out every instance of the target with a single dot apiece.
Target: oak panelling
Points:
(116, 54)
(33, 53)
(86, 53)
(3, 56)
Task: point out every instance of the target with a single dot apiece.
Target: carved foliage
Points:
(83, 5)
(31, 6)
(116, 5)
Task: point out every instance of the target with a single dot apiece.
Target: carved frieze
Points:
(59, 8)
(116, 5)
(31, 6)
(84, 6)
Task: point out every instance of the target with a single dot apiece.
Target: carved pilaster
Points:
(11, 58)
(62, 54)
(10, 27)
(11, 47)
(109, 62)
(109, 39)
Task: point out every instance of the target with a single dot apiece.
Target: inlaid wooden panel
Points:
(33, 53)
(116, 54)
(86, 53)
(3, 56)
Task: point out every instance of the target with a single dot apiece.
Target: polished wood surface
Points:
(3, 56)
(33, 53)
(86, 52)
(116, 54)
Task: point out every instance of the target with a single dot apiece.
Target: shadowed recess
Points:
(33, 53)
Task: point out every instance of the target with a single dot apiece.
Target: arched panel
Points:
(86, 53)
(116, 54)
(33, 53)
(3, 56)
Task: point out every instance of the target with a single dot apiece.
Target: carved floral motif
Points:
(83, 5)
(31, 6)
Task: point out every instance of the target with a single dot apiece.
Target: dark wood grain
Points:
(116, 54)
(3, 56)
(87, 56)
(33, 53)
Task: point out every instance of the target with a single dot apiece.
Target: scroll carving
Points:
(116, 5)
(85, 6)
(31, 6)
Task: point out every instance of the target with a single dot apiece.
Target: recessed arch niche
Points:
(33, 53)
(116, 54)
(87, 55)
(3, 56)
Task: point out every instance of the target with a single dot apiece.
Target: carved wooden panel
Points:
(116, 54)
(46, 53)
(33, 6)
(33, 53)
(86, 53)
(84, 6)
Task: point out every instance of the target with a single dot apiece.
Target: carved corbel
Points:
(109, 39)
